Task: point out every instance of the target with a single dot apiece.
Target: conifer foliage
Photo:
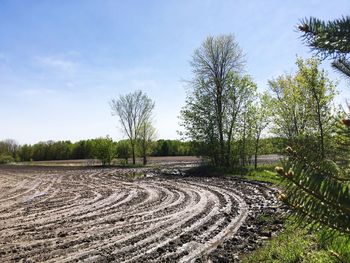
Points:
(329, 39)
(320, 190)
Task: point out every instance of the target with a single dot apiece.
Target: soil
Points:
(72, 214)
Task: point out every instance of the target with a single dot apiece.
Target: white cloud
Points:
(63, 65)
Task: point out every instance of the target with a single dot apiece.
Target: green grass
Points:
(265, 174)
(295, 244)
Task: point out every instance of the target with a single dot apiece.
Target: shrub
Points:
(4, 158)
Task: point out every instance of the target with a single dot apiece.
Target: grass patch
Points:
(264, 175)
(297, 244)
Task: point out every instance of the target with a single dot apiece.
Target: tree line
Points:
(11, 151)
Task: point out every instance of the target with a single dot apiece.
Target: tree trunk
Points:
(228, 154)
(133, 154)
(322, 141)
(144, 153)
(320, 125)
(319, 121)
(256, 153)
(243, 142)
(220, 126)
(229, 139)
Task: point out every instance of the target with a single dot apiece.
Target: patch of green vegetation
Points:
(5, 158)
(264, 174)
(297, 244)
(338, 246)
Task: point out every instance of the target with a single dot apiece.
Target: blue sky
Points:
(61, 62)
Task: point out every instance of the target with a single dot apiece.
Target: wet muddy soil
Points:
(55, 214)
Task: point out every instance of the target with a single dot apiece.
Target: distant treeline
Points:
(11, 151)
(84, 149)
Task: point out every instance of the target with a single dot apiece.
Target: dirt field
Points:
(161, 160)
(93, 162)
(62, 214)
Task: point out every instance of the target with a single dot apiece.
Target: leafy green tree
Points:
(104, 150)
(25, 152)
(239, 117)
(60, 150)
(217, 96)
(146, 138)
(134, 110)
(6, 158)
(242, 142)
(82, 150)
(173, 148)
(123, 150)
(303, 108)
(9, 147)
(272, 145)
(290, 118)
(321, 92)
(261, 115)
(164, 150)
(39, 151)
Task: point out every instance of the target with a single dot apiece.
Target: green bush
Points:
(4, 158)
(104, 150)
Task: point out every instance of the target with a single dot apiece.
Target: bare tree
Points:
(134, 110)
(303, 108)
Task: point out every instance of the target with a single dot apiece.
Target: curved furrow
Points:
(100, 215)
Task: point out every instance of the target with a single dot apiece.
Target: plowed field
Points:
(102, 215)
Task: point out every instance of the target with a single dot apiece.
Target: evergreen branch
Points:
(315, 194)
(302, 213)
(317, 168)
(343, 66)
(331, 39)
